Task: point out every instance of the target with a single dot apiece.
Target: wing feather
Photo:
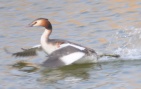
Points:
(26, 52)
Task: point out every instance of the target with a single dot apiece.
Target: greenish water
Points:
(106, 26)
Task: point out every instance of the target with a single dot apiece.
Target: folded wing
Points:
(65, 55)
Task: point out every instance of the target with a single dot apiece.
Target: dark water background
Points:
(108, 26)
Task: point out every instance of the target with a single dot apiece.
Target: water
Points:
(111, 27)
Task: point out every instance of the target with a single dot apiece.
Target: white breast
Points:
(48, 48)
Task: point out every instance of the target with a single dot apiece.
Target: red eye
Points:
(35, 22)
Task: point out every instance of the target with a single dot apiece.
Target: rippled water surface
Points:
(112, 27)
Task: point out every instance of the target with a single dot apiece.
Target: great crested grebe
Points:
(60, 52)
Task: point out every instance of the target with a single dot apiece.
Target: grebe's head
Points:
(43, 22)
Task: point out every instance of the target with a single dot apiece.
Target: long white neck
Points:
(45, 35)
(45, 41)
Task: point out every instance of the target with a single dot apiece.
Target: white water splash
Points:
(129, 54)
(126, 42)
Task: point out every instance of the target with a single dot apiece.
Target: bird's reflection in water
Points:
(25, 66)
(73, 73)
